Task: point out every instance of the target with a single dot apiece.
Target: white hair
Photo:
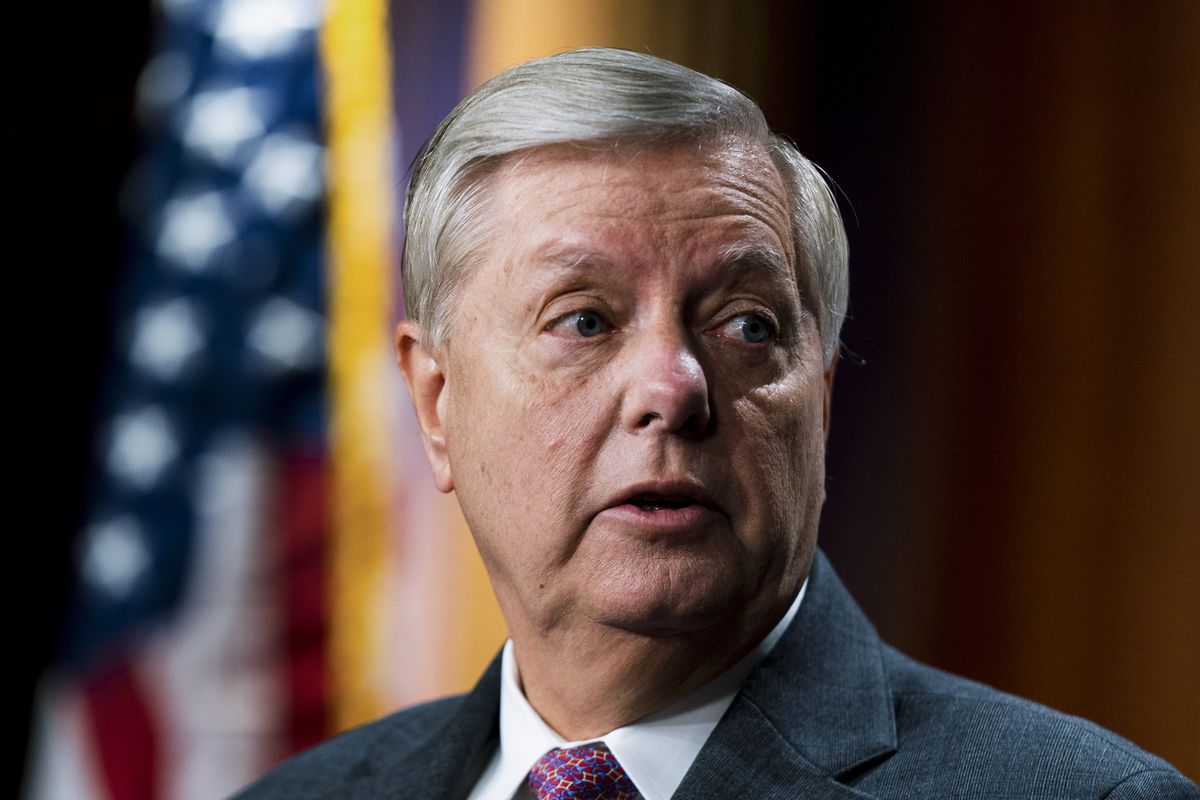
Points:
(597, 96)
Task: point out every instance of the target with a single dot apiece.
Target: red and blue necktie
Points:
(588, 772)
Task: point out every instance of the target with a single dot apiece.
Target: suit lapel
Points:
(447, 764)
(819, 707)
(746, 757)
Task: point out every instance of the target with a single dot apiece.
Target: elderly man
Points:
(624, 296)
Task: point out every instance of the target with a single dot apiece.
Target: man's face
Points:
(634, 402)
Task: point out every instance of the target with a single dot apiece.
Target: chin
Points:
(665, 598)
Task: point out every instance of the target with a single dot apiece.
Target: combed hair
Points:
(597, 97)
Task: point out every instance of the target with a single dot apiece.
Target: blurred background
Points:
(226, 545)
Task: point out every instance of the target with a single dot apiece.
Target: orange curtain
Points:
(1056, 221)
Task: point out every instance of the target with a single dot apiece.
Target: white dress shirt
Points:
(656, 751)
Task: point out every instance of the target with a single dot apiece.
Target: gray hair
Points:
(598, 96)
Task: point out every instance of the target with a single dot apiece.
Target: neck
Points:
(591, 679)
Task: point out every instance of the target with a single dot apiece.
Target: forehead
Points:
(683, 196)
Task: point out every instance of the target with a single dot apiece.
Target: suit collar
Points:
(825, 688)
(818, 708)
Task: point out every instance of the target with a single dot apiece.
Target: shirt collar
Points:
(656, 751)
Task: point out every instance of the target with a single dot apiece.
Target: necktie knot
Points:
(588, 772)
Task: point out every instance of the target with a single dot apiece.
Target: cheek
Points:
(557, 445)
(782, 447)
(522, 457)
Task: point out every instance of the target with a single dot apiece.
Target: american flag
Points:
(208, 506)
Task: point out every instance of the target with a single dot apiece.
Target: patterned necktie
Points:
(589, 772)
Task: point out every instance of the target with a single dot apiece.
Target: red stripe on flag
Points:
(303, 525)
(123, 732)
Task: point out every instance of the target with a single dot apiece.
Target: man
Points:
(624, 296)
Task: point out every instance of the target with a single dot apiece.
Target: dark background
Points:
(69, 136)
(1016, 441)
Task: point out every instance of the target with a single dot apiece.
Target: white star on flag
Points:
(286, 172)
(257, 29)
(114, 556)
(285, 334)
(166, 336)
(194, 228)
(219, 123)
(143, 446)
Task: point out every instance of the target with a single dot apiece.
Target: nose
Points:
(667, 388)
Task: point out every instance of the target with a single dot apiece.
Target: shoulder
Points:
(331, 764)
(1000, 745)
(869, 717)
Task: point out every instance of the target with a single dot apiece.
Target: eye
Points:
(586, 323)
(752, 328)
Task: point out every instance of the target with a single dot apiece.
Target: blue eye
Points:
(587, 323)
(753, 328)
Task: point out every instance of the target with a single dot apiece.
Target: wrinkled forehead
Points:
(642, 182)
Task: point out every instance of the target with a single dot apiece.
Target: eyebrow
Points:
(742, 260)
(743, 257)
(740, 255)
(734, 264)
(567, 257)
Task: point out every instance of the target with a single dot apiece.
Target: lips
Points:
(678, 511)
(664, 505)
(663, 496)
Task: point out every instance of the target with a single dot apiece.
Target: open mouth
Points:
(653, 502)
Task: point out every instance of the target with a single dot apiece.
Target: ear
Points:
(829, 389)
(425, 375)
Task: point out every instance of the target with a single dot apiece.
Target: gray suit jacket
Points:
(831, 713)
